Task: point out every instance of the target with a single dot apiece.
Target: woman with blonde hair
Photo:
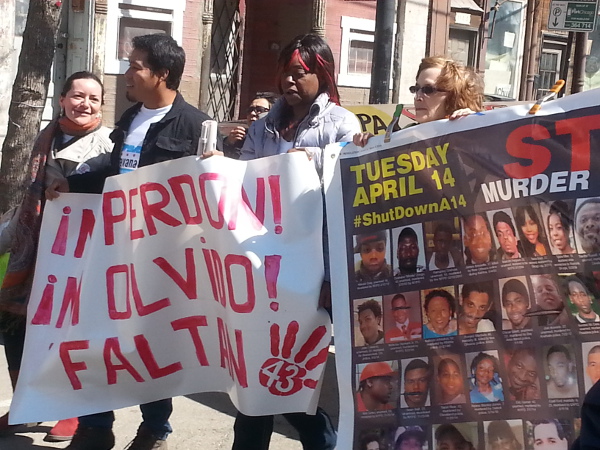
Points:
(443, 89)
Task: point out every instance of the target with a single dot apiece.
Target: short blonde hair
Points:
(463, 85)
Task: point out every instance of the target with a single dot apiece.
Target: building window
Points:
(356, 53)
(503, 58)
(130, 18)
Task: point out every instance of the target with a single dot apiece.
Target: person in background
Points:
(369, 321)
(523, 376)
(478, 240)
(500, 436)
(76, 142)
(510, 246)
(486, 385)
(447, 437)
(515, 301)
(582, 299)
(451, 382)
(161, 126)
(587, 225)
(372, 249)
(549, 434)
(375, 388)
(443, 88)
(417, 377)
(258, 108)
(305, 119)
(477, 300)
(535, 242)
(444, 255)
(562, 373)
(403, 329)
(560, 224)
(440, 309)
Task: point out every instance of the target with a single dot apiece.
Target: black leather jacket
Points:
(175, 136)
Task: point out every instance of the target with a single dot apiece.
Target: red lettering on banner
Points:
(189, 284)
(155, 210)
(71, 367)
(133, 234)
(236, 367)
(88, 221)
(258, 214)
(276, 201)
(176, 184)
(155, 371)
(59, 247)
(243, 261)
(144, 310)
(43, 314)
(215, 275)
(111, 273)
(112, 347)
(193, 324)
(538, 154)
(70, 299)
(217, 223)
(109, 217)
(579, 128)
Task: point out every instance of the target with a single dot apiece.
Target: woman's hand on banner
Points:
(57, 186)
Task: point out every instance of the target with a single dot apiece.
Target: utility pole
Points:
(579, 62)
(382, 52)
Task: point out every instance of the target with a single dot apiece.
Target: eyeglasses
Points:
(257, 109)
(426, 90)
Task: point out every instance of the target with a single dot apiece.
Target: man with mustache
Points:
(476, 302)
(523, 376)
(587, 225)
(550, 307)
(417, 375)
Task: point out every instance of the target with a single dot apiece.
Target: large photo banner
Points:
(466, 278)
(182, 277)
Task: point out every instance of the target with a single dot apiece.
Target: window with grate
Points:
(549, 71)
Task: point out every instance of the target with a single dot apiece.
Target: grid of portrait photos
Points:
(479, 331)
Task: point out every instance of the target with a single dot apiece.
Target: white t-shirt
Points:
(132, 147)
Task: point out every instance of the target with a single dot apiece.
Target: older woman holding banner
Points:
(443, 89)
(75, 142)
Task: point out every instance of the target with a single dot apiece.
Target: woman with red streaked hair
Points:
(307, 117)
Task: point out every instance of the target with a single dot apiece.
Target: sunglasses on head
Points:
(426, 90)
(257, 109)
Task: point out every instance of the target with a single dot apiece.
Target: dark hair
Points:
(501, 216)
(517, 286)
(316, 57)
(373, 305)
(500, 429)
(368, 438)
(417, 364)
(562, 210)
(448, 429)
(397, 296)
(575, 279)
(444, 227)
(444, 294)
(485, 287)
(82, 75)
(163, 55)
(528, 247)
(408, 434)
(595, 349)
(407, 232)
(481, 357)
(559, 427)
(446, 362)
(492, 252)
(271, 97)
(558, 348)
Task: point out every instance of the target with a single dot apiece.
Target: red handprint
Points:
(284, 375)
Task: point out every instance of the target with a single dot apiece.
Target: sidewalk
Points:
(200, 421)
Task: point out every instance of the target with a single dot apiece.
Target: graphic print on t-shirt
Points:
(130, 157)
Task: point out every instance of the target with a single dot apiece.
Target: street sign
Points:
(577, 15)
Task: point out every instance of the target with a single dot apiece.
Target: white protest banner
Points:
(465, 263)
(182, 277)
